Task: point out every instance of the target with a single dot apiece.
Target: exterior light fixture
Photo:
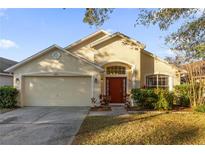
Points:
(17, 81)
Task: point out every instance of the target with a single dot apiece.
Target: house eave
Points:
(86, 38)
(11, 69)
(120, 35)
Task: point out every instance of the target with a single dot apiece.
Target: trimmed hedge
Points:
(8, 97)
(160, 99)
(144, 97)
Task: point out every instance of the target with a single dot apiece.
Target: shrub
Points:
(8, 97)
(150, 98)
(165, 99)
(137, 95)
(182, 95)
(153, 98)
(144, 97)
(200, 108)
(161, 103)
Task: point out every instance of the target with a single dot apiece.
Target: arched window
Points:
(157, 81)
(116, 70)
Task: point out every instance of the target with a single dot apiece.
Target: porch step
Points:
(116, 110)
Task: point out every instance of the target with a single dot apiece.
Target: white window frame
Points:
(157, 81)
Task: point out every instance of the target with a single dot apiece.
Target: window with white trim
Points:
(157, 81)
(116, 70)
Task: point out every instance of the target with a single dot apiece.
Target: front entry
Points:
(116, 88)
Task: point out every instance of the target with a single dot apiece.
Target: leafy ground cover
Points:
(148, 128)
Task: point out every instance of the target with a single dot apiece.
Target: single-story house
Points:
(6, 79)
(101, 63)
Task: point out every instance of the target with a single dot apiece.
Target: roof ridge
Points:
(86, 37)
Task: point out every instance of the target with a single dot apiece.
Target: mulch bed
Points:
(174, 109)
(134, 108)
(101, 108)
(180, 108)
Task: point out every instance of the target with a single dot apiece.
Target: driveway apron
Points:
(41, 125)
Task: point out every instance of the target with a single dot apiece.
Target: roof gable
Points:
(157, 58)
(117, 34)
(99, 34)
(11, 69)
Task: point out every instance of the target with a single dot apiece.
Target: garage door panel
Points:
(57, 91)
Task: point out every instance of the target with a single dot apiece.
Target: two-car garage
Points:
(56, 77)
(57, 91)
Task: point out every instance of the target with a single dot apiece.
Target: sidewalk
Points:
(116, 110)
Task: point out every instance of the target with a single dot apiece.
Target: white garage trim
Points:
(64, 73)
(92, 86)
(6, 74)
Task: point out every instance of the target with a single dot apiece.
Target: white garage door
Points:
(57, 91)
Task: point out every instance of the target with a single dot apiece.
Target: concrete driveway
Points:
(41, 125)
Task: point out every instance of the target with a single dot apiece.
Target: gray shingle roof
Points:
(6, 63)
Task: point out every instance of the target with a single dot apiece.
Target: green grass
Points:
(164, 128)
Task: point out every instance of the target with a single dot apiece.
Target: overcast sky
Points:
(24, 32)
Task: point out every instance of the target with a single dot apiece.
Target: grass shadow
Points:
(101, 122)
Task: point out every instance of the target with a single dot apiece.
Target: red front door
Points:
(116, 88)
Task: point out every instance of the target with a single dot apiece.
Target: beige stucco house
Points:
(101, 63)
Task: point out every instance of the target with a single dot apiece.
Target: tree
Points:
(189, 37)
(96, 17)
(177, 60)
(188, 42)
(194, 75)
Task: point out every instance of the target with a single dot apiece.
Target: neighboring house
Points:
(101, 63)
(6, 79)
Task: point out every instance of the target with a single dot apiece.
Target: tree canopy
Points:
(188, 39)
(96, 17)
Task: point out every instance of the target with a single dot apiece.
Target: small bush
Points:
(182, 95)
(165, 99)
(137, 95)
(8, 97)
(200, 108)
(153, 98)
(144, 97)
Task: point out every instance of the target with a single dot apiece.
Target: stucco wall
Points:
(151, 65)
(66, 63)
(147, 67)
(84, 49)
(86, 42)
(6, 80)
(117, 49)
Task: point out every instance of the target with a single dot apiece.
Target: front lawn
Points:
(149, 128)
